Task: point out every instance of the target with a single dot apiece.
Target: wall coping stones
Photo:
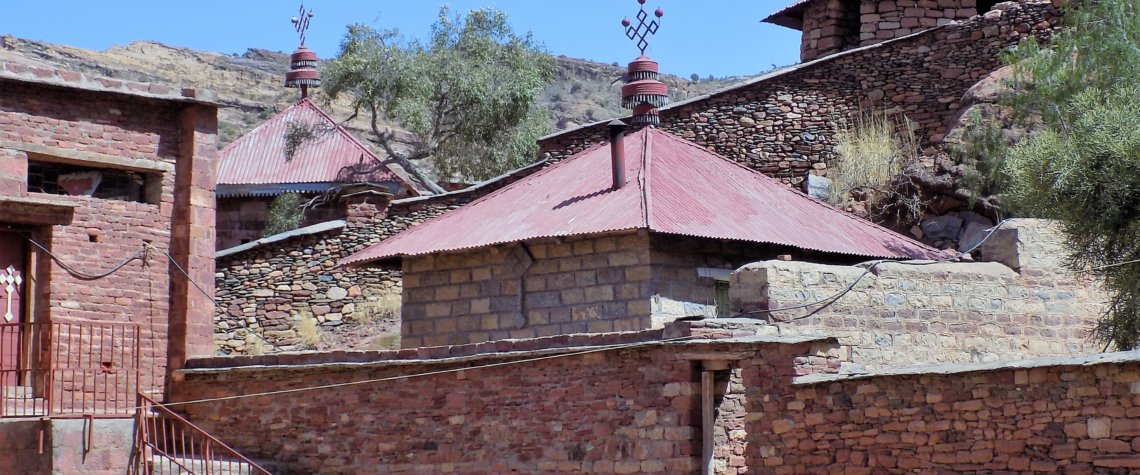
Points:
(950, 369)
(58, 77)
(305, 231)
(476, 187)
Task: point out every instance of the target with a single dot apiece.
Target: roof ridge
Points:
(402, 234)
(646, 196)
(344, 131)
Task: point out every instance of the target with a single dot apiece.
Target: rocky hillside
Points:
(251, 83)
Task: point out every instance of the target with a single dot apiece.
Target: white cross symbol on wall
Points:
(11, 281)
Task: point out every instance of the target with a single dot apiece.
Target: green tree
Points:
(1083, 165)
(466, 96)
(285, 214)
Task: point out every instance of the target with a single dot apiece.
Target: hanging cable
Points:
(217, 306)
(85, 276)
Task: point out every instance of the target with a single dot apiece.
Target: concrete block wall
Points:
(547, 287)
(941, 313)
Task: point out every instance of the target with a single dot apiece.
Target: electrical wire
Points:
(217, 305)
(85, 276)
(830, 300)
(425, 374)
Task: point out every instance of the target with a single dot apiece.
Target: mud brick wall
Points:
(632, 410)
(942, 313)
(1079, 415)
(784, 124)
(51, 115)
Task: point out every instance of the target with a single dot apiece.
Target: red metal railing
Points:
(69, 369)
(168, 443)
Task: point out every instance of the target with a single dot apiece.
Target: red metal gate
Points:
(13, 257)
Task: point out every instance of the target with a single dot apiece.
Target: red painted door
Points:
(13, 256)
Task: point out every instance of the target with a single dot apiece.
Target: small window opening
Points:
(103, 183)
(723, 309)
(987, 5)
(93, 238)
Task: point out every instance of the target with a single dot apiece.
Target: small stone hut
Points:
(620, 237)
(831, 26)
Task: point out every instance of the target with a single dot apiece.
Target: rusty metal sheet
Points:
(259, 156)
(674, 187)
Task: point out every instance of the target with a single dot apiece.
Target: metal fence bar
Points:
(170, 441)
(69, 369)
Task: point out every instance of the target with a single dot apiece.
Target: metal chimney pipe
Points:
(617, 153)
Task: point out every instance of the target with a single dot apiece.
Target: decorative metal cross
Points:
(11, 281)
(643, 29)
(301, 23)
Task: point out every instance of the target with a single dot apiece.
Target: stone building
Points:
(579, 248)
(106, 197)
(831, 26)
(300, 150)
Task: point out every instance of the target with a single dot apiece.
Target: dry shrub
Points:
(308, 331)
(255, 346)
(872, 151)
(384, 306)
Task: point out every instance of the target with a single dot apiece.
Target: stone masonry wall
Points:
(784, 125)
(950, 312)
(1079, 415)
(267, 289)
(174, 143)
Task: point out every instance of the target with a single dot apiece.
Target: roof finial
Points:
(301, 22)
(642, 91)
(303, 62)
(643, 29)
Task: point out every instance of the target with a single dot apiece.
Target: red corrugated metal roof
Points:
(259, 156)
(674, 187)
(790, 16)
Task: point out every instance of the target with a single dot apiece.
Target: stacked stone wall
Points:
(785, 124)
(265, 290)
(174, 144)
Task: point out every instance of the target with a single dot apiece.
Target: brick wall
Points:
(55, 116)
(1060, 416)
(950, 312)
(784, 124)
(634, 410)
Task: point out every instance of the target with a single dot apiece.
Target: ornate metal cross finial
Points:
(643, 29)
(11, 281)
(301, 22)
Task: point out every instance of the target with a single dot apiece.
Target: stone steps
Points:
(161, 465)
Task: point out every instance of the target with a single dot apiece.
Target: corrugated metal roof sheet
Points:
(790, 16)
(674, 187)
(259, 156)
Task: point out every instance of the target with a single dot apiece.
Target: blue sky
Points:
(718, 37)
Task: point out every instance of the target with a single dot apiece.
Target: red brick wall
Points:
(1075, 418)
(103, 233)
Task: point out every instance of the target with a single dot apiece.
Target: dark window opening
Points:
(103, 183)
(987, 5)
(850, 22)
(723, 309)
